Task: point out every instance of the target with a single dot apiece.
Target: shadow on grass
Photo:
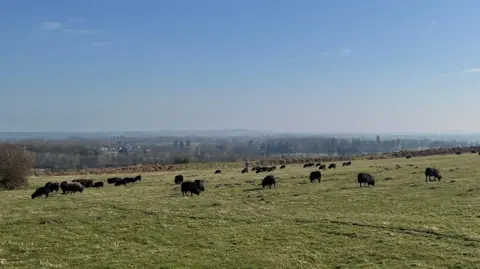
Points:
(252, 189)
(350, 188)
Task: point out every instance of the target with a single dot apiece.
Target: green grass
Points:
(401, 223)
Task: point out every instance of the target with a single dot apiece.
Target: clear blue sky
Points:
(282, 65)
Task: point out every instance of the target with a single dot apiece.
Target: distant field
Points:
(402, 223)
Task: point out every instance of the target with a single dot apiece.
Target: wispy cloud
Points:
(79, 31)
(99, 44)
(62, 26)
(345, 52)
(473, 70)
(326, 53)
(51, 25)
(433, 22)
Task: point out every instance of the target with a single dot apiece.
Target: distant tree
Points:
(378, 139)
(188, 143)
(15, 166)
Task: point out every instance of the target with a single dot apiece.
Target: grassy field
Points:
(401, 223)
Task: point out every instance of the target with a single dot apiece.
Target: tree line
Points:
(90, 153)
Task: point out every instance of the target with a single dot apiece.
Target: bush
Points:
(15, 165)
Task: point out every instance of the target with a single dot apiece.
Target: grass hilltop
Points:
(400, 223)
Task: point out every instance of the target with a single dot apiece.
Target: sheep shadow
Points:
(252, 189)
(350, 188)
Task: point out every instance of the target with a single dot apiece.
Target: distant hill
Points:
(77, 135)
(231, 133)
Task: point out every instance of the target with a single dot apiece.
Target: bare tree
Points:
(15, 165)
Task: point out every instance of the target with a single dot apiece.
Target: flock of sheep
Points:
(197, 186)
(78, 185)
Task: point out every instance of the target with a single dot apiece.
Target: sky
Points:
(278, 65)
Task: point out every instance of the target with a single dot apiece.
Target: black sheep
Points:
(432, 172)
(199, 184)
(315, 175)
(262, 169)
(120, 182)
(71, 187)
(268, 181)
(54, 187)
(87, 183)
(178, 179)
(188, 186)
(366, 179)
(128, 180)
(45, 190)
(112, 180)
(98, 184)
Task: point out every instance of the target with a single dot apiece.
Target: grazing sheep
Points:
(137, 178)
(315, 175)
(218, 171)
(54, 187)
(120, 182)
(244, 170)
(71, 187)
(261, 169)
(322, 167)
(366, 179)
(87, 183)
(188, 186)
(112, 180)
(332, 165)
(45, 190)
(98, 184)
(282, 167)
(178, 179)
(409, 157)
(349, 163)
(129, 180)
(432, 172)
(199, 184)
(269, 181)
